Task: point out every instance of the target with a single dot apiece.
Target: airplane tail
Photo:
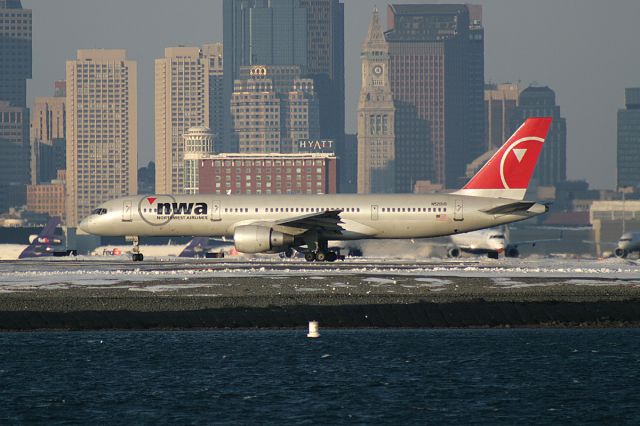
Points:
(44, 243)
(508, 172)
(196, 247)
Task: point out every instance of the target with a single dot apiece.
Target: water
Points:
(347, 376)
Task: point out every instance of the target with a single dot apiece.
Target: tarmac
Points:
(89, 293)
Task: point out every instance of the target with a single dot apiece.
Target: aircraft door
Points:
(374, 212)
(458, 210)
(214, 215)
(126, 211)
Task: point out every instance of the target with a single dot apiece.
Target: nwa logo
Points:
(163, 209)
(182, 208)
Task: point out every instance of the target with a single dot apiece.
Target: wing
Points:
(534, 242)
(326, 222)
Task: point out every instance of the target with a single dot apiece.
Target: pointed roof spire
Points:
(375, 36)
(375, 31)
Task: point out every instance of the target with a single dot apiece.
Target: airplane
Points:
(41, 245)
(627, 244)
(490, 241)
(274, 223)
(198, 247)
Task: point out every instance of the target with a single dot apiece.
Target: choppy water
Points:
(347, 376)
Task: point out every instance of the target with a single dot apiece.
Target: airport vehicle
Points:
(46, 243)
(274, 223)
(627, 244)
(490, 241)
(199, 247)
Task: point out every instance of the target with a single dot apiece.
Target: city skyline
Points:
(553, 45)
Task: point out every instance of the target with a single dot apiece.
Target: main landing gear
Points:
(321, 256)
(136, 256)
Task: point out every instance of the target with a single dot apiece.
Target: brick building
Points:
(267, 174)
(48, 197)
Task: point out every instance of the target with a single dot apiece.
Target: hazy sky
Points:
(587, 51)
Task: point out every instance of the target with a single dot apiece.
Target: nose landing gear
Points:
(136, 255)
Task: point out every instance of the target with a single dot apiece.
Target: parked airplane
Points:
(46, 243)
(627, 244)
(197, 247)
(490, 241)
(260, 224)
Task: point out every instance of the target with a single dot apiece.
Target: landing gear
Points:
(321, 256)
(492, 255)
(136, 256)
(318, 249)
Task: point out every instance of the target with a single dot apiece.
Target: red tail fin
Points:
(508, 172)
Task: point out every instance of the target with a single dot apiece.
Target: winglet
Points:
(508, 172)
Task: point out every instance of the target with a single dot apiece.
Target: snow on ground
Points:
(431, 273)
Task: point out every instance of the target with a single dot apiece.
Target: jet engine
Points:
(453, 252)
(620, 252)
(260, 239)
(511, 252)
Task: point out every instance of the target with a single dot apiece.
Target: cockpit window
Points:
(99, 211)
(625, 239)
(498, 236)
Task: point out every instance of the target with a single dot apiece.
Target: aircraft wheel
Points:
(493, 255)
(332, 256)
(137, 257)
(321, 256)
(309, 256)
(288, 252)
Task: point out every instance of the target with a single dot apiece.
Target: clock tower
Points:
(376, 115)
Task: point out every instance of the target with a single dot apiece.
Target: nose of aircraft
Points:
(85, 225)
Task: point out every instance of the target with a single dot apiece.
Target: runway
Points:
(96, 293)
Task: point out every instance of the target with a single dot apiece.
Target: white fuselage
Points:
(629, 242)
(361, 216)
(481, 241)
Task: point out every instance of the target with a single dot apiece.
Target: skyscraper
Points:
(325, 65)
(15, 52)
(48, 136)
(437, 78)
(15, 69)
(212, 54)
(552, 164)
(261, 32)
(629, 140)
(307, 33)
(14, 155)
(376, 116)
(272, 108)
(500, 102)
(102, 130)
(182, 100)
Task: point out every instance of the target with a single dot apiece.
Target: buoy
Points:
(313, 330)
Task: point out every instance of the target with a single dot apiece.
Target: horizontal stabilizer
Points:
(521, 206)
